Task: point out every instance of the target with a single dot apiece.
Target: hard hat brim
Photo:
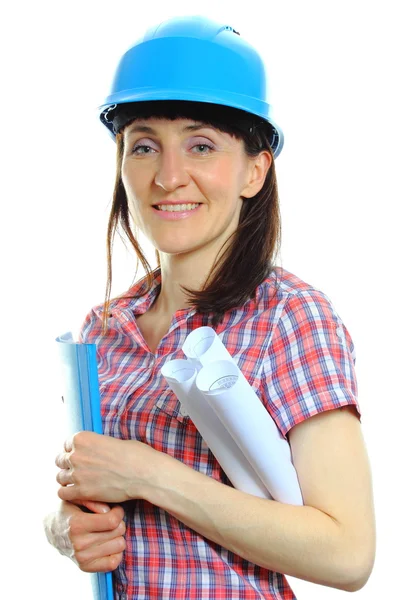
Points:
(255, 107)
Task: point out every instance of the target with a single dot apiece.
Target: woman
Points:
(195, 173)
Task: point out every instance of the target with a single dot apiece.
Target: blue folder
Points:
(82, 400)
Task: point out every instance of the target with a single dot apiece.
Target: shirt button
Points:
(123, 596)
(182, 411)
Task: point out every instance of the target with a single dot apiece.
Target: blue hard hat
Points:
(193, 59)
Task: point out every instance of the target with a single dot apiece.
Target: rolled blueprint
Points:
(251, 426)
(203, 346)
(232, 420)
(181, 376)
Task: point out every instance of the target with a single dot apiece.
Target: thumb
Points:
(96, 507)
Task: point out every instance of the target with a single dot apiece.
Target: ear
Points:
(258, 168)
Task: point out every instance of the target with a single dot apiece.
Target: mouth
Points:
(176, 207)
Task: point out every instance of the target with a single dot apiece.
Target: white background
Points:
(335, 73)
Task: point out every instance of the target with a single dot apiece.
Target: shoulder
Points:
(284, 296)
(282, 285)
(288, 318)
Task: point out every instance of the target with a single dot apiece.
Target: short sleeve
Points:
(309, 367)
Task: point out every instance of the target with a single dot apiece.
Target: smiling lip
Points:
(177, 214)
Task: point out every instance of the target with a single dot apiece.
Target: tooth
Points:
(177, 207)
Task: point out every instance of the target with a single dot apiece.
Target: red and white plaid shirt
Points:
(296, 354)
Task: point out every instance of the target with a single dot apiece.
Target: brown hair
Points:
(246, 259)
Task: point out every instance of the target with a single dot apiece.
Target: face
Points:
(184, 183)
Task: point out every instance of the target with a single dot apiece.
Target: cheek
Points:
(218, 180)
(132, 193)
(223, 172)
(224, 183)
(128, 181)
(134, 186)
(126, 184)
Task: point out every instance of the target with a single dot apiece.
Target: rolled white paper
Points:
(232, 420)
(181, 376)
(202, 346)
(237, 406)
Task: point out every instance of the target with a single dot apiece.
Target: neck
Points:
(178, 271)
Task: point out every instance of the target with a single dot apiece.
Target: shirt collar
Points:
(139, 297)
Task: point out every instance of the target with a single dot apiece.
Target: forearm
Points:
(330, 541)
(300, 541)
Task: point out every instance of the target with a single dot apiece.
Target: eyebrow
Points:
(147, 129)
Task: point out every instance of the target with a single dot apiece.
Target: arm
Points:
(329, 541)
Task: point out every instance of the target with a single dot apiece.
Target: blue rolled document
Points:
(83, 409)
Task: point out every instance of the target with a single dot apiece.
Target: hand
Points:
(103, 468)
(94, 542)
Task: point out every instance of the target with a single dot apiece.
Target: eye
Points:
(202, 148)
(200, 145)
(142, 149)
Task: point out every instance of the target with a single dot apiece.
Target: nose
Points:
(171, 172)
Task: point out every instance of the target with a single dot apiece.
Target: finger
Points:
(65, 477)
(63, 460)
(68, 445)
(90, 541)
(70, 493)
(103, 565)
(108, 548)
(94, 523)
(97, 507)
(118, 512)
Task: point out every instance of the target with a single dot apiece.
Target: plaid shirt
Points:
(296, 354)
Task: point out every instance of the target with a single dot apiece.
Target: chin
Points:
(175, 247)
(174, 250)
